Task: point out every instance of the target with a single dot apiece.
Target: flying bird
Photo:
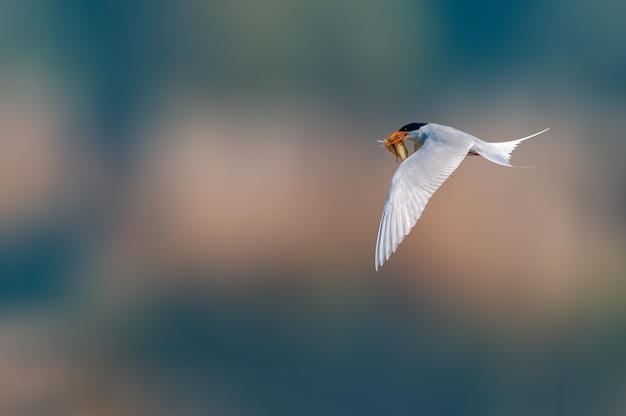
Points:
(438, 151)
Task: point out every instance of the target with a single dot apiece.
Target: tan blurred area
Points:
(32, 162)
(47, 369)
(300, 195)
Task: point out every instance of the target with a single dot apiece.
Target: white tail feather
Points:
(500, 153)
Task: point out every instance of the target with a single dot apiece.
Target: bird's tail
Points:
(500, 153)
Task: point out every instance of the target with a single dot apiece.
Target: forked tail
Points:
(500, 153)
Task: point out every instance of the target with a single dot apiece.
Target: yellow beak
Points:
(395, 145)
(397, 137)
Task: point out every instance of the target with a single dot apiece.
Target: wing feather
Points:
(414, 182)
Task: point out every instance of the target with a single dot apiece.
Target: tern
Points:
(438, 151)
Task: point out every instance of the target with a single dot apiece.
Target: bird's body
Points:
(439, 151)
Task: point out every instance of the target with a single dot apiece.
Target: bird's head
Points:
(409, 131)
(394, 143)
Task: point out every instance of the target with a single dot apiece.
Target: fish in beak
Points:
(395, 144)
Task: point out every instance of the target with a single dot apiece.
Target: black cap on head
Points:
(412, 126)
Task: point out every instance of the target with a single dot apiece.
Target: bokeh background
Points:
(190, 193)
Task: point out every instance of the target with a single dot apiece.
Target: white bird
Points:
(438, 151)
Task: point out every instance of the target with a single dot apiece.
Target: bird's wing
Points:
(414, 182)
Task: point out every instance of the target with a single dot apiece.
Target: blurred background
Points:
(190, 194)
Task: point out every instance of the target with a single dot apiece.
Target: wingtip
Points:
(378, 261)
